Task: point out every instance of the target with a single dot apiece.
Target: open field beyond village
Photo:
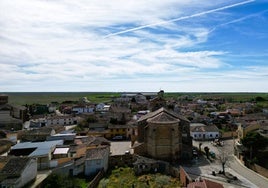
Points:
(22, 98)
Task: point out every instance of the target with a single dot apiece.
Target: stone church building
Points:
(164, 135)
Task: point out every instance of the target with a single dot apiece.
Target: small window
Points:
(195, 135)
(200, 135)
(210, 135)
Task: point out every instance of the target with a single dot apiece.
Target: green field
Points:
(229, 97)
(22, 98)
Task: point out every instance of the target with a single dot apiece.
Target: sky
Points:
(134, 45)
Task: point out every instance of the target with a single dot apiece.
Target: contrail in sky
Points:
(238, 20)
(180, 18)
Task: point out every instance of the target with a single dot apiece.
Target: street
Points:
(120, 147)
(246, 177)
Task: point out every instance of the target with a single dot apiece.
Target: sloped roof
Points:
(162, 110)
(99, 141)
(40, 148)
(3, 161)
(163, 117)
(97, 153)
(15, 166)
(205, 128)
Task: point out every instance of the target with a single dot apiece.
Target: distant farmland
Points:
(22, 98)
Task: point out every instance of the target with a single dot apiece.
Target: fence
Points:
(94, 183)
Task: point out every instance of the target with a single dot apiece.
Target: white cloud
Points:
(59, 42)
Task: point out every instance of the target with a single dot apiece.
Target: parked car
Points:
(118, 137)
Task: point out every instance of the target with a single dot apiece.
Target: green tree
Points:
(91, 119)
(254, 142)
(54, 180)
(259, 99)
(60, 181)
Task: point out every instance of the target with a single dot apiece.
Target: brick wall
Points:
(184, 177)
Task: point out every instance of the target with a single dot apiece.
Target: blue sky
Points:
(134, 45)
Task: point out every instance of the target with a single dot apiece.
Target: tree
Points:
(61, 181)
(207, 151)
(200, 144)
(223, 157)
(91, 119)
(259, 99)
(254, 142)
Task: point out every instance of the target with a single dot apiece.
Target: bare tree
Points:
(223, 157)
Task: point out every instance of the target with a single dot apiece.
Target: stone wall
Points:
(121, 161)
(229, 134)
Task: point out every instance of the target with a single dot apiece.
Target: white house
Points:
(83, 109)
(40, 150)
(18, 172)
(62, 136)
(61, 120)
(96, 159)
(199, 131)
(37, 123)
(101, 107)
(52, 108)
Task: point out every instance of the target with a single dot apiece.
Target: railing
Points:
(94, 183)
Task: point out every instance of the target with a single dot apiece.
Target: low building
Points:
(40, 150)
(193, 181)
(200, 131)
(20, 112)
(36, 134)
(83, 109)
(40, 134)
(68, 138)
(61, 152)
(3, 99)
(101, 107)
(18, 172)
(246, 127)
(61, 120)
(37, 123)
(117, 130)
(119, 114)
(144, 165)
(96, 160)
(7, 121)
